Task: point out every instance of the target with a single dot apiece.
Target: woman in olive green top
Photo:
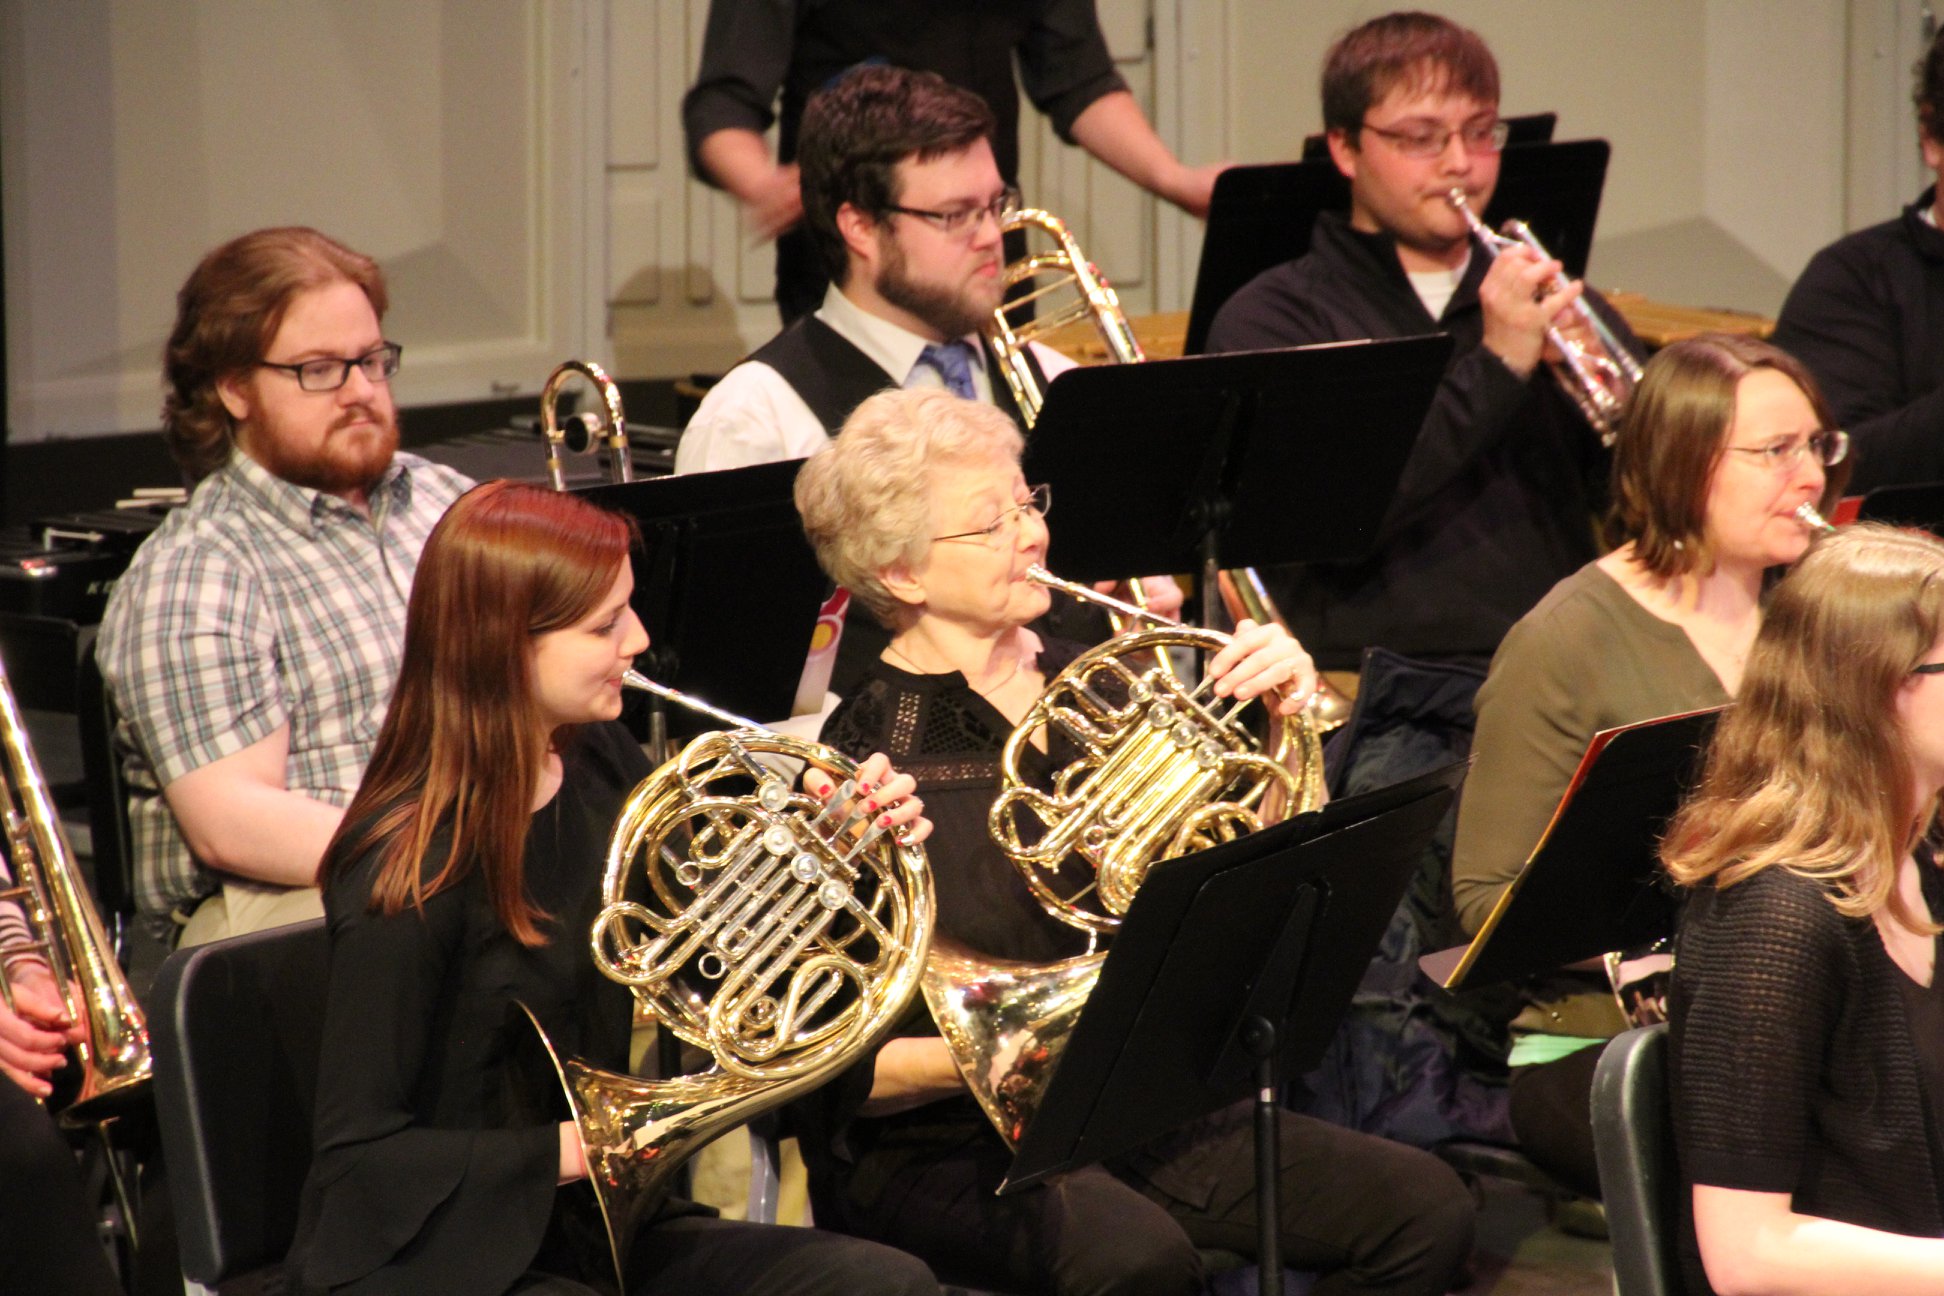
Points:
(1725, 439)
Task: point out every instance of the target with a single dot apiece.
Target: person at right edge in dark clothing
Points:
(1496, 501)
(1867, 317)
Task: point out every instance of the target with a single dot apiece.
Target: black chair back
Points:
(114, 852)
(236, 1027)
(1633, 1136)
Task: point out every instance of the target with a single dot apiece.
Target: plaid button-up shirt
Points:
(259, 604)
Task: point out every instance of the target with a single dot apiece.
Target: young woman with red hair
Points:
(466, 877)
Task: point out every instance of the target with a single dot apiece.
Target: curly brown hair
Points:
(227, 313)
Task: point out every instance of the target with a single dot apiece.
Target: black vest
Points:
(833, 377)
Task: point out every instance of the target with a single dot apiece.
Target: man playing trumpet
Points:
(1496, 500)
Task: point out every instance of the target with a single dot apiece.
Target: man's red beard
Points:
(355, 454)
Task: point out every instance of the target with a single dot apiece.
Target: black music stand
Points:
(1261, 216)
(1231, 969)
(1251, 459)
(1593, 883)
(1907, 504)
(728, 589)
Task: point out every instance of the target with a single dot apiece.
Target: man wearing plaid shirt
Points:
(252, 645)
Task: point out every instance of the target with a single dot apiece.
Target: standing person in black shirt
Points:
(1497, 499)
(755, 50)
(466, 877)
(1867, 317)
(1807, 1059)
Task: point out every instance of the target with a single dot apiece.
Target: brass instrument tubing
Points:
(636, 680)
(1087, 594)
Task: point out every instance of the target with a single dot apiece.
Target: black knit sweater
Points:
(1794, 1068)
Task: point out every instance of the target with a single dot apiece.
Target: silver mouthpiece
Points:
(1807, 515)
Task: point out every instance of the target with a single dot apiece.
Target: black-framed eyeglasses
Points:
(1430, 141)
(328, 373)
(1039, 502)
(1928, 668)
(1830, 447)
(963, 220)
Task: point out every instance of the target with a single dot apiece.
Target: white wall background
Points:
(517, 164)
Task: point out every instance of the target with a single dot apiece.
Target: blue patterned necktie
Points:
(953, 361)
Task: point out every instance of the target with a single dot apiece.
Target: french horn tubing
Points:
(1600, 374)
(781, 934)
(1165, 768)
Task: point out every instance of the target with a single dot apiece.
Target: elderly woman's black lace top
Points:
(948, 737)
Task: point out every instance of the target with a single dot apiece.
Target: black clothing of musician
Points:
(430, 1176)
(1803, 1060)
(1867, 317)
(755, 50)
(1375, 1216)
(47, 1228)
(1496, 500)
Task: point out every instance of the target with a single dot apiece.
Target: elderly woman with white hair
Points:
(920, 509)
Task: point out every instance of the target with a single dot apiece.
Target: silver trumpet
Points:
(1601, 374)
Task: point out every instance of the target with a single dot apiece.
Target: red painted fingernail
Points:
(885, 822)
(871, 806)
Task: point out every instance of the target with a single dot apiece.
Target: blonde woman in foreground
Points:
(1808, 1027)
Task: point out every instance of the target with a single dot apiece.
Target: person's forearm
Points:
(1803, 1255)
(911, 1073)
(1114, 129)
(265, 834)
(738, 160)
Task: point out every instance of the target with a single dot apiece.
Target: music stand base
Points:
(1259, 1038)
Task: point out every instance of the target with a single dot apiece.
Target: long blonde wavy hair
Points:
(1810, 769)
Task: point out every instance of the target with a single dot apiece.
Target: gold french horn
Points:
(781, 934)
(1165, 768)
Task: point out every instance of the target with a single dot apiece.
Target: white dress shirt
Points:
(754, 416)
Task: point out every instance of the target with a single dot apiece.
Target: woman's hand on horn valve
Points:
(1264, 658)
(888, 797)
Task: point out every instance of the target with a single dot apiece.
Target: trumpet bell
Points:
(1007, 1025)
